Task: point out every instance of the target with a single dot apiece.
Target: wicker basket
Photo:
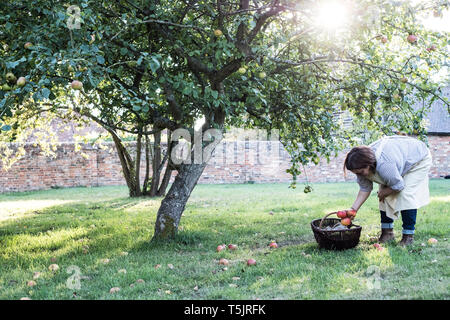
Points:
(335, 239)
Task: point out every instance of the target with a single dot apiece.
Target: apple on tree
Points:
(437, 13)
(21, 81)
(242, 70)
(76, 85)
(412, 38)
(218, 32)
(432, 48)
(10, 77)
(28, 45)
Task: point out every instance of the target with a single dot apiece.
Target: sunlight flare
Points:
(332, 15)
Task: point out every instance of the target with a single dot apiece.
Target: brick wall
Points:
(232, 162)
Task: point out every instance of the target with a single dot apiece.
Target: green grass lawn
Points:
(82, 226)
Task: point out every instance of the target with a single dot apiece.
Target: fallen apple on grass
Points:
(224, 262)
(232, 246)
(273, 245)
(432, 241)
(251, 262)
(53, 267)
(31, 283)
(114, 290)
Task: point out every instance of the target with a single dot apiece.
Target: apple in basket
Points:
(346, 221)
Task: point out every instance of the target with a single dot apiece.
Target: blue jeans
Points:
(408, 218)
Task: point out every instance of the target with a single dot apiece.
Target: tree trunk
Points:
(172, 206)
(156, 164)
(126, 163)
(137, 166)
(168, 173)
(165, 182)
(147, 165)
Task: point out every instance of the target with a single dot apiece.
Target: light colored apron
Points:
(414, 195)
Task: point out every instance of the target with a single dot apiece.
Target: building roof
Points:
(438, 117)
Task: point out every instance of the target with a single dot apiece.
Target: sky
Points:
(438, 24)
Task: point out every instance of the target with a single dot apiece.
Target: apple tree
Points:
(147, 66)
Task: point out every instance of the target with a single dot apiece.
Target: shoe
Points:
(407, 240)
(387, 234)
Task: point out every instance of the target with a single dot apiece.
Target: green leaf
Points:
(187, 90)
(100, 59)
(154, 64)
(12, 65)
(45, 93)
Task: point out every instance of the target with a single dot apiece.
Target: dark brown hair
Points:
(360, 157)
